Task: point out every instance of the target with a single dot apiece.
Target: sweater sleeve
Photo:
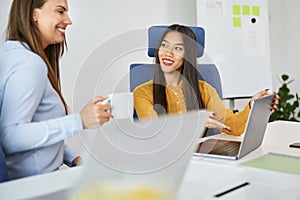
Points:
(236, 121)
(143, 101)
(69, 156)
(24, 90)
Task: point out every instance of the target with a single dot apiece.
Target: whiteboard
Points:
(237, 41)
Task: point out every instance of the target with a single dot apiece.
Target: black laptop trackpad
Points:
(219, 147)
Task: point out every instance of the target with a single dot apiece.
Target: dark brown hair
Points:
(189, 73)
(22, 27)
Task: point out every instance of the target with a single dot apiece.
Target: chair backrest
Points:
(155, 33)
(3, 166)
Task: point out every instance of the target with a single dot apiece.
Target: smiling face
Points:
(52, 20)
(171, 52)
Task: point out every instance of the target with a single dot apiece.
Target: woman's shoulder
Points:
(18, 55)
(21, 51)
(204, 86)
(145, 86)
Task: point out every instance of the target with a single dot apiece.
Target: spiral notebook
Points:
(276, 162)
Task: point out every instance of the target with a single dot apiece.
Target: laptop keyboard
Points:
(219, 147)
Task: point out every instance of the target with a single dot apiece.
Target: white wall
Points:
(4, 10)
(106, 36)
(285, 41)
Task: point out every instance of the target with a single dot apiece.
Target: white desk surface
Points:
(204, 177)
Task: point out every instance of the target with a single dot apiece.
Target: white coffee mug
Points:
(121, 104)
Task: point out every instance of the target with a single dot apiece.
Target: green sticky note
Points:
(237, 22)
(246, 10)
(236, 9)
(255, 10)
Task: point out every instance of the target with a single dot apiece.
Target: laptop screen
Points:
(150, 154)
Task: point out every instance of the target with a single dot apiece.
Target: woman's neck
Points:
(172, 79)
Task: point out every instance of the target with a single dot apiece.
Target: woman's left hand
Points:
(263, 94)
(77, 161)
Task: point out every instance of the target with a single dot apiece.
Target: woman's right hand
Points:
(94, 113)
(212, 123)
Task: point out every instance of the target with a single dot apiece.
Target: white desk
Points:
(209, 176)
(203, 179)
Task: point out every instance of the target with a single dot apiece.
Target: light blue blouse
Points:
(33, 124)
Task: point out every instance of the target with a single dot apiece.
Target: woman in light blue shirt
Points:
(33, 113)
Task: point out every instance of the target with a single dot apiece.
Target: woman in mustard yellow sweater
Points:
(175, 87)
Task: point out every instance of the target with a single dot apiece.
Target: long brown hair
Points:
(189, 73)
(22, 27)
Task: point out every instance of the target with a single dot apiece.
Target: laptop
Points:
(252, 139)
(123, 155)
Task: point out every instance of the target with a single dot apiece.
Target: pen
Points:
(232, 189)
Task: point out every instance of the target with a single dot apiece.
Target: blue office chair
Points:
(3, 166)
(141, 73)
